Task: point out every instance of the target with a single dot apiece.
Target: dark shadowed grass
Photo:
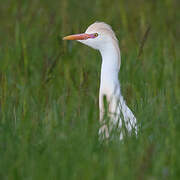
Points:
(49, 91)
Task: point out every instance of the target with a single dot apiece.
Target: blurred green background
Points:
(49, 90)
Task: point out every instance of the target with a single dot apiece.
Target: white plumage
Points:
(100, 36)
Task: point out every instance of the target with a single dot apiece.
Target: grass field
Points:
(49, 90)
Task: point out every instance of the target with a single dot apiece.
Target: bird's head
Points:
(98, 36)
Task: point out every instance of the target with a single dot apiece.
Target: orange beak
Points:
(77, 37)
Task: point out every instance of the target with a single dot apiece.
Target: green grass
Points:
(49, 91)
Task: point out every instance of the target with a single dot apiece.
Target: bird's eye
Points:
(96, 34)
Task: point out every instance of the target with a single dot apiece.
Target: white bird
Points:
(100, 36)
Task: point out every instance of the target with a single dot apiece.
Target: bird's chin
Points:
(88, 43)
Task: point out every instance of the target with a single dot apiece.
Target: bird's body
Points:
(100, 36)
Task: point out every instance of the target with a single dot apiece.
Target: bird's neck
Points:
(110, 63)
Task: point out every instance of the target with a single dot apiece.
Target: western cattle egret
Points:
(100, 36)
